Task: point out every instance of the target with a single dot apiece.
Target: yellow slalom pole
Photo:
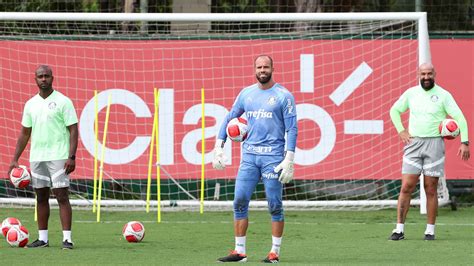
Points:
(150, 160)
(96, 150)
(203, 149)
(158, 169)
(36, 206)
(101, 174)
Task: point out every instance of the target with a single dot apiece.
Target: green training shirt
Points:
(49, 119)
(427, 110)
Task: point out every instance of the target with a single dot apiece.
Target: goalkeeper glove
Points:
(286, 167)
(219, 157)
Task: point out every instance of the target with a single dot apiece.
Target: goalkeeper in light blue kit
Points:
(270, 111)
(424, 148)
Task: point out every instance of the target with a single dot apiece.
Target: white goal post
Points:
(348, 155)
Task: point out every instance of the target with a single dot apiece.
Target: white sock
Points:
(43, 235)
(430, 229)
(240, 244)
(400, 228)
(67, 236)
(276, 243)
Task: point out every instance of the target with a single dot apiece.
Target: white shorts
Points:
(424, 155)
(49, 174)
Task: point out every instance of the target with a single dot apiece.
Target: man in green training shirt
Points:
(50, 120)
(424, 148)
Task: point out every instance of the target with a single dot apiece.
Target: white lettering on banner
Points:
(190, 140)
(191, 117)
(328, 134)
(307, 73)
(86, 126)
(259, 114)
(351, 83)
(166, 121)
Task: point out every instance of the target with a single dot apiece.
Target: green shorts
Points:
(49, 174)
(424, 155)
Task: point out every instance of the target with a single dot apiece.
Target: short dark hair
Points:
(263, 55)
(46, 67)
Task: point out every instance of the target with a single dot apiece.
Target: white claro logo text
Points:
(192, 116)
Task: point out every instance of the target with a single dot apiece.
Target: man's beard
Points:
(264, 80)
(429, 86)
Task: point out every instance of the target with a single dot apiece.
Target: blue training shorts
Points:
(254, 168)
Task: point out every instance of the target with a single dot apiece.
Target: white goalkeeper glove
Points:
(219, 157)
(286, 167)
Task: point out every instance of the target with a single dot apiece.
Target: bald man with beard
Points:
(424, 150)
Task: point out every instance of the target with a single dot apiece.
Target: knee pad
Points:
(276, 210)
(241, 208)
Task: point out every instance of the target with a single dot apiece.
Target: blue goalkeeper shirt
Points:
(270, 114)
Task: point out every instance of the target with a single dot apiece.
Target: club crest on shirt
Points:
(271, 100)
(52, 105)
(434, 98)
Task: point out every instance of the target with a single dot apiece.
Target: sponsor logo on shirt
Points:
(270, 175)
(259, 149)
(259, 114)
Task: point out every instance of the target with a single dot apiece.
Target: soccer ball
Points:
(449, 129)
(17, 236)
(237, 129)
(9, 223)
(20, 177)
(133, 231)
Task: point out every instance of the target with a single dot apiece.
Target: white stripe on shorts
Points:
(42, 177)
(412, 163)
(433, 164)
(57, 174)
(54, 178)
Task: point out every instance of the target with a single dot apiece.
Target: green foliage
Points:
(90, 6)
(449, 15)
(454, 15)
(241, 6)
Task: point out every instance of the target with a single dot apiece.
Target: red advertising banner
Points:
(343, 91)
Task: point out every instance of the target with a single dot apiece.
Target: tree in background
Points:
(453, 15)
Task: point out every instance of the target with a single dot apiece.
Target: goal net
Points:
(344, 69)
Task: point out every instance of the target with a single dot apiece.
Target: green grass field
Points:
(311, 237)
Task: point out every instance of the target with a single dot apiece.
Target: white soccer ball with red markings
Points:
(133, 231)
(17, 236)
(449, 129)
(9, 223)
(20, 177)
(237, 129)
